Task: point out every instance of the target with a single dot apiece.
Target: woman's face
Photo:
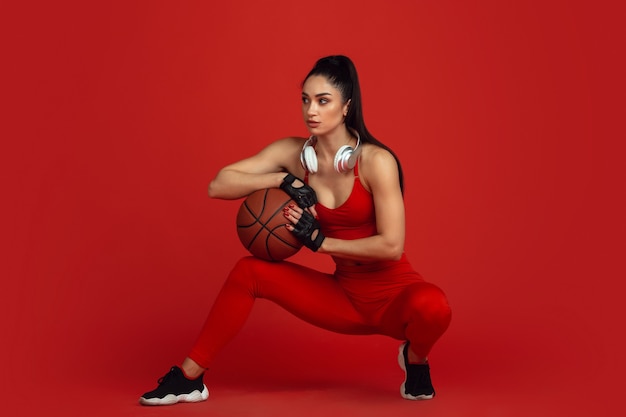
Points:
(323, 108)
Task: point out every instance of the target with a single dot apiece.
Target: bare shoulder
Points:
(375, 154)
(377, 166)
(286, 145)
(286, 151)
(292, 141)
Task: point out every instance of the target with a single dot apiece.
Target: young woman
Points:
(348, 188)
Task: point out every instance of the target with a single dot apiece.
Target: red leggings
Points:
(386, 298)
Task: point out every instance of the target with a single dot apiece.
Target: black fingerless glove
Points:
(309, 232)
(304, 196)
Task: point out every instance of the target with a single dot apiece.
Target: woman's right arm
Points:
(266, 169)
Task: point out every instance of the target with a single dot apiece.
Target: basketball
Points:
(261, 225)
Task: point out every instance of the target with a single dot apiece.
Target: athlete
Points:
(348, 189)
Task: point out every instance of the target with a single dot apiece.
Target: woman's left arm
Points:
(379, 171)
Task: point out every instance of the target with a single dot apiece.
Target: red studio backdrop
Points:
(118, 114)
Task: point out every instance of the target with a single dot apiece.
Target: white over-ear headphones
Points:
(345, 158)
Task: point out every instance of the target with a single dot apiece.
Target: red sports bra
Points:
(354, 219)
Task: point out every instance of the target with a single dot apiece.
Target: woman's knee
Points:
(430, 302)
(245, 264)
(244, 272)
(254, 273)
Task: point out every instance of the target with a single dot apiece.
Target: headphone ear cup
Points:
(342, 159)
(309, 159)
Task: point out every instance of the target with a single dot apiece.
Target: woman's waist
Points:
(350, 266)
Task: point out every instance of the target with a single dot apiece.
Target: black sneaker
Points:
(174, 388)
(416, 385)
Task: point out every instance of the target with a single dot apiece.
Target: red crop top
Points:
(354, 219)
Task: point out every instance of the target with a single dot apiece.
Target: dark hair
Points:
(340, 71)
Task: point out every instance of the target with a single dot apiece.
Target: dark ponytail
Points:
(340, 71)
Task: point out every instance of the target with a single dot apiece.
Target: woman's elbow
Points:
(214, 190)
(394, 251)
(396, 255)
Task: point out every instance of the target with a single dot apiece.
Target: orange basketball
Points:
(261, 225)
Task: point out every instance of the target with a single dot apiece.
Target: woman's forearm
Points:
(230, 184)
(370, 248)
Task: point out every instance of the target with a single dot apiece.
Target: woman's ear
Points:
(346, 107)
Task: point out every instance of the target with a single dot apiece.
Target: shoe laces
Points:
(166, 377)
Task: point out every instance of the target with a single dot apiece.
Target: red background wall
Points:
(118, 114)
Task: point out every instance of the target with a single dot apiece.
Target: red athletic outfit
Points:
(383, 297)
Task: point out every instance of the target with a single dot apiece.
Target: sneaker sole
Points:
(402, 387)
(170, 399)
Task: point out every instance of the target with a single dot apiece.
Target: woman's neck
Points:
(332, 141)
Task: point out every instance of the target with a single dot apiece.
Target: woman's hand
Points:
(301, 193)
(304, 226)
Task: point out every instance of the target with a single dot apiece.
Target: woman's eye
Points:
(305, 100)
(323, 101)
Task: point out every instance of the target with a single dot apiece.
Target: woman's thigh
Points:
(310, 295)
